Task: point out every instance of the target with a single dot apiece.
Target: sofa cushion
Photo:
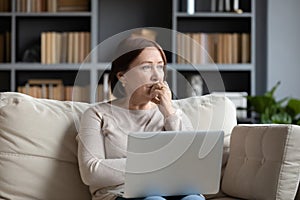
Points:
(264, 162)
(210, 112)
(38, 151)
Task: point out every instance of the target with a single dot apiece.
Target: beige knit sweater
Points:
(102, 142)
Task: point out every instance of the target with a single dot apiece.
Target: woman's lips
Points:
(150, 85)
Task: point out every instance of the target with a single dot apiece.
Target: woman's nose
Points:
(154, 75)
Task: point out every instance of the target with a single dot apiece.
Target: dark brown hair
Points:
(128, 50)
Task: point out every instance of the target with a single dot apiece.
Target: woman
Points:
(143, 103)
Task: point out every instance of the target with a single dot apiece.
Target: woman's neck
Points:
(135, 104)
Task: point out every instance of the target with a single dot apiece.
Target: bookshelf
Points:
(26, 21)
(103, 19)
(221, 31)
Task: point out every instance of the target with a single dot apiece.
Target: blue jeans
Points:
(188, 197)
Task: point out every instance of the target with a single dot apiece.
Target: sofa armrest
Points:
(264, 162)
(38, 150)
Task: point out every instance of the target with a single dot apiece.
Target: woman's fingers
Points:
(159, 86)
(162, 96)
(160, 93)
(155, 100)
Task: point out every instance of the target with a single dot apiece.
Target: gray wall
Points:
(283, 62)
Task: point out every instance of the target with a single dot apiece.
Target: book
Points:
(211, 47)
(22, 5)
(58, 47)
(204, 48)
(235, 48)
(55, 90)
(146, 33)
(48, 47)
(68, 93)
(76, 48)
(87, 46)
(220, 48)
(236, 5)
(191, 7)
(70, 47)
(221, 5)
(178, 47)
(44, 81)
(79, 93)
(245, 48)
(43, 48)
(81, 47)
(229, 48)
(72, 5)
(52, 5)
(53, 48)
(44, 94)
(227, 6)
(183, 48)
(187, 48)
(64, 47)
(7, 46)
(213, 5)
(2, 47)
(5, 5)
(195, 48)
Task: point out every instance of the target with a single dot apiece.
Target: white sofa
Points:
(38, 150)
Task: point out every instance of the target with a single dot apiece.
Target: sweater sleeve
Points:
(95, 168)
(178, 121)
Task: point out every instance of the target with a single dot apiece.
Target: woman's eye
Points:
(146, 67)
(160, 67)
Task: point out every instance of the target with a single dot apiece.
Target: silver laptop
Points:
(172, 163)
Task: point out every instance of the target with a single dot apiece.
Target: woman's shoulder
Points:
(97, 108)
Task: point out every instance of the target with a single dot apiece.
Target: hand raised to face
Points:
(162, 96)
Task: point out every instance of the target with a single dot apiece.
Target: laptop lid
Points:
(172, 163)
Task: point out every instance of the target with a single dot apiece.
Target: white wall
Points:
(283, 44)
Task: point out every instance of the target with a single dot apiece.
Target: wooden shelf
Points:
(215, 14)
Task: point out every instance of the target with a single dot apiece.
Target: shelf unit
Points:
(26, 29)
(203, 20)
(105, 19)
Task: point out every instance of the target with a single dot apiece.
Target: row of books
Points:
(51, 5)
(225, 5)
(5, 47)
(65, 47)
(193, 6)
(205, 48)
(5, 5)
(55, 89)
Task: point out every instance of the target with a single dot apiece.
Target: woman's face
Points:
(146, 69)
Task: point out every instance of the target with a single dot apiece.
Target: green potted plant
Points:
(269, 110)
